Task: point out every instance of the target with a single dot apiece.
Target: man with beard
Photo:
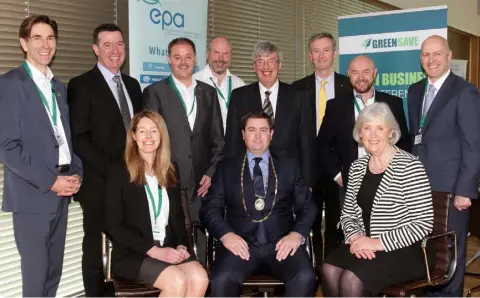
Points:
(321, 86)
(336, 147)
(192, 114)
(217, 74)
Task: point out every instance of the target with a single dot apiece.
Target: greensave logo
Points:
(409, 41)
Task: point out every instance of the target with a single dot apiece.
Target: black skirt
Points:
(387, 268)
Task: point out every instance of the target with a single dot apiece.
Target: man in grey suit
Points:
(194, 121)
(444, 112)
(41, 171)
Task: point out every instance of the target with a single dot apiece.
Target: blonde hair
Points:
(162, 165)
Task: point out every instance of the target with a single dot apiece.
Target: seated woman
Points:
(144, 215)
(387, 212)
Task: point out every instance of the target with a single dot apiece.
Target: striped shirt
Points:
(402, 211)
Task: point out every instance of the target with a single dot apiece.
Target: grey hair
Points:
(209, 46)
(266, 47)
(375, 111)
(320, 36)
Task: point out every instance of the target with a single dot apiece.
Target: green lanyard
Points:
(53, 111)
(156, 211)
(424, 114)
(358, 106)
(227, 101)
(181, 98)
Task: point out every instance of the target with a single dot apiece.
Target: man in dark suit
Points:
(287, 108)
(444, 118)
(319, 87)
(102, 102)
(336, 147)
(41, 171)
(249, 209)
(194, 121)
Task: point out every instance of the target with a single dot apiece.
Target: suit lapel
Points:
(199, 103)
(311, 97)
(142, 202)
(107, 96)
(176, 103)
(339, 85)
(282, 110)
(257, 98)
(248, 192)
(349, 110)
(135, 106)
(63, 107)
(441, 99)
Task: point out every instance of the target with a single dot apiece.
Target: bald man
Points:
(444, 113)
(217, 74)
(336, 147)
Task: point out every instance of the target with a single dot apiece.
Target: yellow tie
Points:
(321, 104)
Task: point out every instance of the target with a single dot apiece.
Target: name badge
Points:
(156, 233)
(58, 136)
(418, 139)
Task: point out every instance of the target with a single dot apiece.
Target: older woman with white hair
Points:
(387, 212)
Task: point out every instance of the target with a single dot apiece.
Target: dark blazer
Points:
(97, 127)
(292, 126)
(28, 147)
(225, 197)
(450, 148)
(308, 86)
(336, 147)
(128, 221)
(196, 152)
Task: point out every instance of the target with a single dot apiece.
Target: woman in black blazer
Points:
(145, 218)
(387, 212)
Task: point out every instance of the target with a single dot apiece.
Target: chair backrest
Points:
(441, 203)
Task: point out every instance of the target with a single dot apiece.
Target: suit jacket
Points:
(98, 132)
(223, 211)
(450, 148)
(308, 86)
(291, 130)
(196, 151)
(336, 147)
(29, 149)
(128, 221)
(402, 210)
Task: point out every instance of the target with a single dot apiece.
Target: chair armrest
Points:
(107, 257)
(452, 264)
(310, 249)
(198, 227)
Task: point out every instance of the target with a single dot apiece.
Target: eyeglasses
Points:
(271, 62)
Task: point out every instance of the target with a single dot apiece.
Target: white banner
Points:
(153, 24)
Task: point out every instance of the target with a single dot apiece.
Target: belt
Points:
(62, 169)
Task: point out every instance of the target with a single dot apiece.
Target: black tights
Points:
(339, 282)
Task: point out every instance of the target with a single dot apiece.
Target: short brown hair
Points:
(181, 40)
(162, 165)
(29, 22)
(320, 36)
(257, 115)
(109, 27)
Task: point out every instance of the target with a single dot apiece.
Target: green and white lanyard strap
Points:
(424, 112)
(170, 78)
(229, 95)
(156, 208)
(357, 106)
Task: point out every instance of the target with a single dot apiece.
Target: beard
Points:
(219, 66)
(360, 87)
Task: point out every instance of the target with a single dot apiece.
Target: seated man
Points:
(259, 233)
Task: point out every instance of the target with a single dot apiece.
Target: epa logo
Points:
(164, 17)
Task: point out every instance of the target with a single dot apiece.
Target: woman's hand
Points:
(365, 254)
(365, 243)
(166, 254)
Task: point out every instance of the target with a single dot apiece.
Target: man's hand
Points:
(288, 245)
(166, 254)
(339, 181)
(66, 186)
(204, 185)
(365, 243)
(365, 254)
(183, 250)
(236, 245)
(462, 203)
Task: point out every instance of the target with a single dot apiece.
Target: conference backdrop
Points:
(393, 40)
(153, 24)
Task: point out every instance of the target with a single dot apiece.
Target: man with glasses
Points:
(281, 102)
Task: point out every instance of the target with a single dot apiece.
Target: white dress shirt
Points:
(438, 84)
(273, 95)
(158, 225)
(44, 84)
(361, 150)
(205, 75)
(329, 86)
(189, 99)
(113, 86)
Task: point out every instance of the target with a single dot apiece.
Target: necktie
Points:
(429, 99)
(122, 99)
(267, 105)
(321, 103)
(261, 233)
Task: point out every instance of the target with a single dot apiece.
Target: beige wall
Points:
(462, 14)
